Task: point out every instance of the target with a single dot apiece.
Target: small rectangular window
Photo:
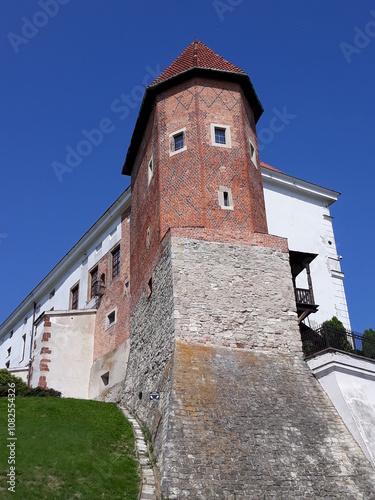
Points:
(7, 365)
(111, 318)
(177, 141)
(74, 295)
(219, 135)
(52, 293)
(11, 334)
(115, 256)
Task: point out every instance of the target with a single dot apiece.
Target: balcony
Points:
(323, 338)
(300, 264)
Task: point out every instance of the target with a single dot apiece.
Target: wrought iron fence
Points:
(325, 337)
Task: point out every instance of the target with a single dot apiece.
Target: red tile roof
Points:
(197, 54)
(262, 164)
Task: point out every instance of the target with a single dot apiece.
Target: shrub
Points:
(337, 334)
(368, 343)
(21, 388)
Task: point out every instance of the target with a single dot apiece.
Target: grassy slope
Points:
(69, 448)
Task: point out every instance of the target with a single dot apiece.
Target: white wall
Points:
(349, 382)
(305, 220)
(77, 271)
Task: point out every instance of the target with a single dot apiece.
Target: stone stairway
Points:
(148, 483)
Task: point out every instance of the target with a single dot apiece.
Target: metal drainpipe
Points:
(31, 346)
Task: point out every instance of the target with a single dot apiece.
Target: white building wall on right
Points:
(300, 212)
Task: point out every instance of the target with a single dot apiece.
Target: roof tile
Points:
(197, 54)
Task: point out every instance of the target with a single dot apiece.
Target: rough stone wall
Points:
(233, 295)
(256, 425)
(240, 416)
(150, 358)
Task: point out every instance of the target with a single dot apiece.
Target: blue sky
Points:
(64, 68)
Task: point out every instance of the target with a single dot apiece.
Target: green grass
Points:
(67, 449)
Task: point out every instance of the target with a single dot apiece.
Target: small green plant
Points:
(368, 343)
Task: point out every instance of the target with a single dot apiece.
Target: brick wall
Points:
(108, 339)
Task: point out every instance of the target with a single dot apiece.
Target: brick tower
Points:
(213, 320)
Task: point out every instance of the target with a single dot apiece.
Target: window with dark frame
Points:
(116, 262)
(74, 292)
(220, 135)
(94, 274)
(178, 141)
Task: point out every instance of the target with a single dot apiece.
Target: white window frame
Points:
(222, 190)
(253, 156)
(228, 138)
(107, 323)
(171, 141)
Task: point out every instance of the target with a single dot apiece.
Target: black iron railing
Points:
(325, 337)
(303, 296)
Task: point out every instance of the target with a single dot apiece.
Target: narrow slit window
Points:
(226, 198)
(253, 154)
(23, 347)
(149, 288)
(94, 276)
(116, 262)
(150, 170)
(74, 294)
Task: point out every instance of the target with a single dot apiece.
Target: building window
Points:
(93, 282)
(11, 334)
(111, 318)
(23, 347)
(220, 135)
(105, 378)
(150, 169)
(115, 258)
(7, 365)
(9, 350)
(225, 198)
(74, 292)
(177, 142)
(253, 154)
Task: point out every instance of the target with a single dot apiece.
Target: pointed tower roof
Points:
(197, 55)
(197, 60)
